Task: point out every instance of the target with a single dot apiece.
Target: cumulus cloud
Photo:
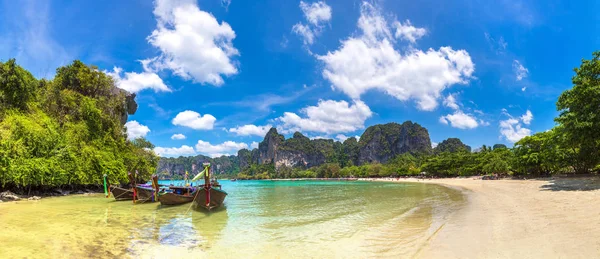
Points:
(527, 117)
(134, 82)
(178, 136)
(225, 148)
(408, 32)
(520, 71)
(305, 32)
(512, 129)
(174, 151)
(136, 130)
(194, 120)
(250, 129)
(434, 144)
(192, 43)
(460, 120)
(450, 102)
(254, 145)
(316, 14)
(327, 117)
(369, 60)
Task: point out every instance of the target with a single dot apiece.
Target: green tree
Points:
(579, 118)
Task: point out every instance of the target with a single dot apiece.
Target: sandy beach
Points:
(554, 218)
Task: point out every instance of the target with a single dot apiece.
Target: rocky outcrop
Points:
(9, 196)
(380, 143)
(176, 167)
(451, 145)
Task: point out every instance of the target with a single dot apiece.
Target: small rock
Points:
(34, 198)
(9, 196)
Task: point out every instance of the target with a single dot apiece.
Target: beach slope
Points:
(554, 218)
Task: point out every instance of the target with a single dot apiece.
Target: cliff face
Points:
(298, 151)
(378, 144)
(382, 142)
(176, 167)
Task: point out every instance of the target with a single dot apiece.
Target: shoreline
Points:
(538, 218)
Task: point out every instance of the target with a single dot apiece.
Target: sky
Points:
(213, 76)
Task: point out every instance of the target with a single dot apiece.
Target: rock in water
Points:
(9, 196)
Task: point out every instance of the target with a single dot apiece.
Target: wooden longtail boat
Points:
(177, 195)
(209, 195)
(147, 193)
(121, 194)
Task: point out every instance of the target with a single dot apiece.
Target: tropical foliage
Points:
(65, 131)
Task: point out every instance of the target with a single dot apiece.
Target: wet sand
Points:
(553, 218)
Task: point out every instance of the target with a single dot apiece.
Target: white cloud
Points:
(520, 71)
(512, 129)
(523, 89)
(194, 120)
(225, 148)
(460, 120)
(370, 61)
(254, 145)
(408, 32)
(250, 129)
(174, 151)
(434, 144)
(134, 82)
(178, 136)
(341, 137)
(136, 130)
(527, 117)
(484, 123)
(316, 14)
(450, 102)
(328, 117)
(193, 44)
(303, 30)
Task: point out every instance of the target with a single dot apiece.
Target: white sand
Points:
(558, 218)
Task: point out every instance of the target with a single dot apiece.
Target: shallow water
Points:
(261, 219)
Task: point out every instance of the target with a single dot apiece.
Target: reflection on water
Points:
(273, 219)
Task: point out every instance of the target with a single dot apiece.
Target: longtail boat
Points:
(177, 195)
(120, 194)
(147, 192)
(209, 195)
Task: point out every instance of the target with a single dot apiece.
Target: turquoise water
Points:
(260, 219)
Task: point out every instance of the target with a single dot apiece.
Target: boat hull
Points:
(144, 194)
(121, 194)
(175, 199)
(217, 197)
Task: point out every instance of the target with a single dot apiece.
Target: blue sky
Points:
(219, 73)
